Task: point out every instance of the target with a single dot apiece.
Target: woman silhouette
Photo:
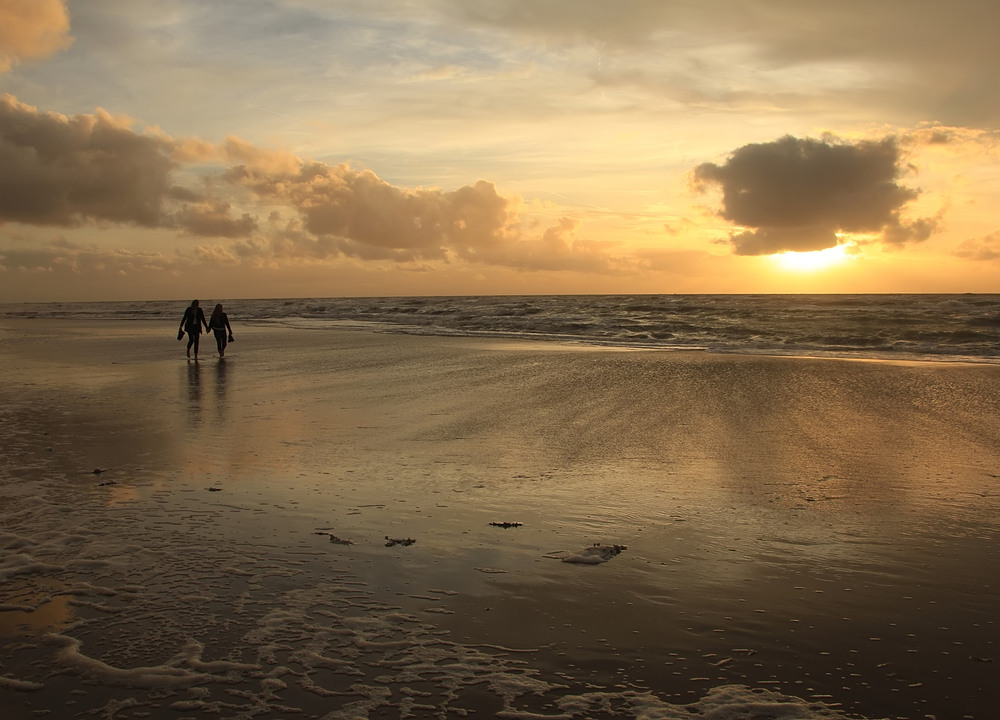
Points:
(194, 318)
(220, 326)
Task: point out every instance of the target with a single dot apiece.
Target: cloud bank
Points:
(798, 194)
(94, 169)
(933, 61)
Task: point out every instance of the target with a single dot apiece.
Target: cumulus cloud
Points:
(59, 170)
(356, 205)
(340, 211)
(31, 29)
(797, 194)
(70, 170)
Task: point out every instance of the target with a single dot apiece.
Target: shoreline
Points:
(769, 504)
(915, 326)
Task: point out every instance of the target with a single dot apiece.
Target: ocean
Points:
(963, 328)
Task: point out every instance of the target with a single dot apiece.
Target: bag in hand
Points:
(180, 334)
(231, 338)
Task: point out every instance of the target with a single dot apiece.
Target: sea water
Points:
(912, 326)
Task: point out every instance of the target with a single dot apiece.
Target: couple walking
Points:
(194, 318)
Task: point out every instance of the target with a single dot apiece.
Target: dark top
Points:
(193, 320)
(220, 322)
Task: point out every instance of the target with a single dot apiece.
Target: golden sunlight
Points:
(812, 261)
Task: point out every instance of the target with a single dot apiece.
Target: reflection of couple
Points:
(194, 319)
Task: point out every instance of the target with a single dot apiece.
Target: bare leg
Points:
(220, 341)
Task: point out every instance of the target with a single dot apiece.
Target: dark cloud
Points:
(903, 233)
(796, 194)
(184, 194)
(212, 218)
(765, 241)
(69, 171)
(58, 170)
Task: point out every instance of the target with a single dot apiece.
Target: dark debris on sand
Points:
(395, 541)
(333, 538)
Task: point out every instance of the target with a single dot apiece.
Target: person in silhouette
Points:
(194, 318)
(220, 326)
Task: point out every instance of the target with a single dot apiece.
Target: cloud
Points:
(797, 194)
(936, 61)
(984, 249)
(59, 170)
(97, 169)
(68, 171)
(343, 212)
(61, 256)
(211, 218)
(363, 211)
(624, 22)
(557, 248)
(32, 29)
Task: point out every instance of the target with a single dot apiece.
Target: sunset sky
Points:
(165, 149)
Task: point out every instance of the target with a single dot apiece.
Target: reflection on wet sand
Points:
(52, 615)
(826, 529)
(196, 396)
(221, 405)
(194, 391)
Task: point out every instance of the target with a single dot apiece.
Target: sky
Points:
(166, 149)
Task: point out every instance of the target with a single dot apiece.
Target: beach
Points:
(778, 536)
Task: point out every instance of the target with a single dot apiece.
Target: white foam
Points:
(158, 676)
(9, 683)
(726, 702)
(329, 639)
(193, 621)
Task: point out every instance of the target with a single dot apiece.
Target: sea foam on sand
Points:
(794, 529)
(328, 649)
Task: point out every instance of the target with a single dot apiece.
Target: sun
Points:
(813, 261)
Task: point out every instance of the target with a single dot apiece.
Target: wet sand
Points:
(822, 529)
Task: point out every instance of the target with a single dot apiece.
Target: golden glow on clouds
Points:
(810, 262)
(445, 147)
(32, 29)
